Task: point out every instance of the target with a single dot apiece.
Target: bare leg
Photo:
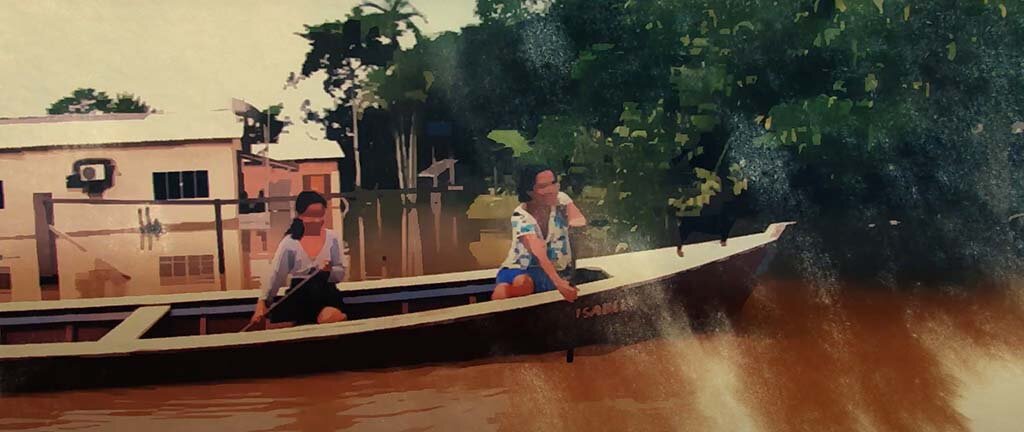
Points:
(522, 285)
(330, 315)
(500, 292)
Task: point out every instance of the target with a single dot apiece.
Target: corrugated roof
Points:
(301, 141)
(102, 129)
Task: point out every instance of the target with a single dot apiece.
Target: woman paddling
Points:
(307, 250)
(540, 253)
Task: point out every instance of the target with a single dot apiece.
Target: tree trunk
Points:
(405, 156)
(355, 144)
(412, 155)
(398, 159)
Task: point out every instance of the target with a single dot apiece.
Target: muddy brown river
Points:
(798, 359)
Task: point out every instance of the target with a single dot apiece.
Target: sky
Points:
(178, 56)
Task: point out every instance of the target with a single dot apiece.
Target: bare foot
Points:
(723, 242)
(679, 251)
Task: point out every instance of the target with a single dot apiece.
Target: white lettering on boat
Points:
(607, 308)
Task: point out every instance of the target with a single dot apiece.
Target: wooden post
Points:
(355, 143)
(405, 242)
(219, 224)
(46, 243)
(380, 219)
(362, 248)
(455, 232)
(435, 209)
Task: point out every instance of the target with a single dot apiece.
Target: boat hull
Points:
(621, 315)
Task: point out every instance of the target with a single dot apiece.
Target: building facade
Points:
(160, 160)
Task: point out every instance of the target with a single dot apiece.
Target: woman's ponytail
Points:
(296, 230)
(302, 202)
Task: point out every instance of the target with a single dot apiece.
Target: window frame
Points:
(200, 187)
(177, 270)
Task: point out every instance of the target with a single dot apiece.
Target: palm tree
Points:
(395, 17)
(348, 58)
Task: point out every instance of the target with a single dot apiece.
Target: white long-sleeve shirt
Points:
(292, 260)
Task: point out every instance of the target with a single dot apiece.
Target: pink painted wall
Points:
(322, 175)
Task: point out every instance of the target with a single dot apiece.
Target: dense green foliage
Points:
(842, 114)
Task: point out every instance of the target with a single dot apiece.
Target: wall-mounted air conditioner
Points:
(92, 172)
(92, 176)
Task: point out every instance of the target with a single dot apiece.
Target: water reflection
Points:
(390, 239)
(101, 280)
(384, 237)
(178, 262)
(18, 259)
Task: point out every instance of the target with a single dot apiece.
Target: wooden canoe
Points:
(425, 319)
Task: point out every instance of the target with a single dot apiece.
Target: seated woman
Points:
(307, 247)
(540, 254)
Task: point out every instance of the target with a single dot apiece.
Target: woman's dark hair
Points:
(528, 179)
(302, 202)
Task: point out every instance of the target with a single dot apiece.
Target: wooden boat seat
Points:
(137, 324)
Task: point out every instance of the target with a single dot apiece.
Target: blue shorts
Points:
(541, 281)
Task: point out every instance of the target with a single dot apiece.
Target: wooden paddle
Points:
(291, 291)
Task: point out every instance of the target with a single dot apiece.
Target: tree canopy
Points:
(87, 100)
(843, 115)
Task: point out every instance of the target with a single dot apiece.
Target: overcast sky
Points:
(178, 56)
